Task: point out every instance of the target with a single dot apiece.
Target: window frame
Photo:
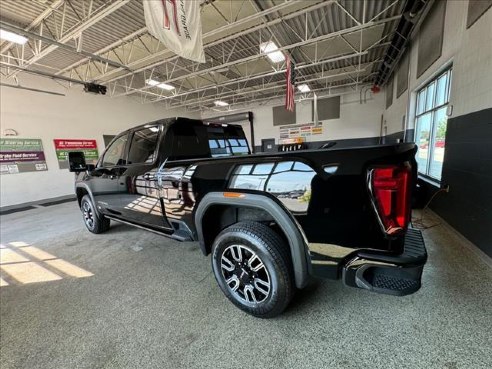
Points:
(433, 112)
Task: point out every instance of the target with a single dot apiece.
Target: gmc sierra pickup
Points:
(270, 221)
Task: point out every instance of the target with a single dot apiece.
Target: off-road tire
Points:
(95, 222)
(272, 251)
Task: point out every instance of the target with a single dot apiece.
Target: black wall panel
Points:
(468, 171)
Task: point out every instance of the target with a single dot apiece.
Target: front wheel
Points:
(252, 266)
(95, 223)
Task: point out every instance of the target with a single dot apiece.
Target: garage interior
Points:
(368, 72)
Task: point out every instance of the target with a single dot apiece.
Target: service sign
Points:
(19, 155)
(64, 146)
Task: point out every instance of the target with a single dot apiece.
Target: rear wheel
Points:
(95, 223)
(252, 266)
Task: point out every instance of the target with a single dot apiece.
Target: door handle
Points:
(147, 176)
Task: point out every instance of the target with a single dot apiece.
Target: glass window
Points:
(227, 141)
(238, 147)
(441, 93)
(421, 102)
(431, 123)
(437, 158)
(422, 139)
(143, 145)
(429, 103)
(115, 154)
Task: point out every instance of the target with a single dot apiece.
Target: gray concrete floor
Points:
(153, 303)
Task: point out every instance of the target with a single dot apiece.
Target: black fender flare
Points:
(295, 236)
(89, 192)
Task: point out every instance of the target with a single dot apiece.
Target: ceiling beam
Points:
(45, 14)
(279, 95)
(257, 76)
(40, 73)
(259, 55)
(32, 35)
(257, 89)
(106, 49)
(92, 19)
(142, 31)
(108, 77)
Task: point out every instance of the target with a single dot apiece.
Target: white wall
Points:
(470, 53)
(76, 115)
(356, 120)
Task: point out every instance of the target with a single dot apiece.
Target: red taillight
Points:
(391, 189)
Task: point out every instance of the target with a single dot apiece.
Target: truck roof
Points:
(170, 121)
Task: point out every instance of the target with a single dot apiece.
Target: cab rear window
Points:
(226, 141)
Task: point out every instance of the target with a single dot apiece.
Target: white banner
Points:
(177, 24)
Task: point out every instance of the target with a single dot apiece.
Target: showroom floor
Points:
(133, 299)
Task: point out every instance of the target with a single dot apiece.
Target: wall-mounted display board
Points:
(19, 155)
(328, 108)
(431, 37)
(282, 116)
(64, 146)
(389, 93)
(300, 130)
(402, 74)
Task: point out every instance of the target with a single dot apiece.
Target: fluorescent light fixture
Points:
(164, 86)
(271, 50)
(303, 88)
(152, 82)
(220, 103)
(12, 37)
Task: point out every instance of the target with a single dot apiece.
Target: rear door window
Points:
(116, 154)
(143, 146)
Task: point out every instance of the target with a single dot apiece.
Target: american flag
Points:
(290, 78)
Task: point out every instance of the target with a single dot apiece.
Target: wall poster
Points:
(64, 146)
(19, 155)
(303, 130)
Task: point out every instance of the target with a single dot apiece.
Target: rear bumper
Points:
(398, 275)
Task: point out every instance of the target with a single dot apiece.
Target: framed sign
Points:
(64, 146)
(19, 155)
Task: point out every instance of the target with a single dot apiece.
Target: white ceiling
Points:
(333, 43)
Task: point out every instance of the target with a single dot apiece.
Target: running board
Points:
(178, 236)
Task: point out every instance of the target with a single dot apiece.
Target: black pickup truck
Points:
(271, 221)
